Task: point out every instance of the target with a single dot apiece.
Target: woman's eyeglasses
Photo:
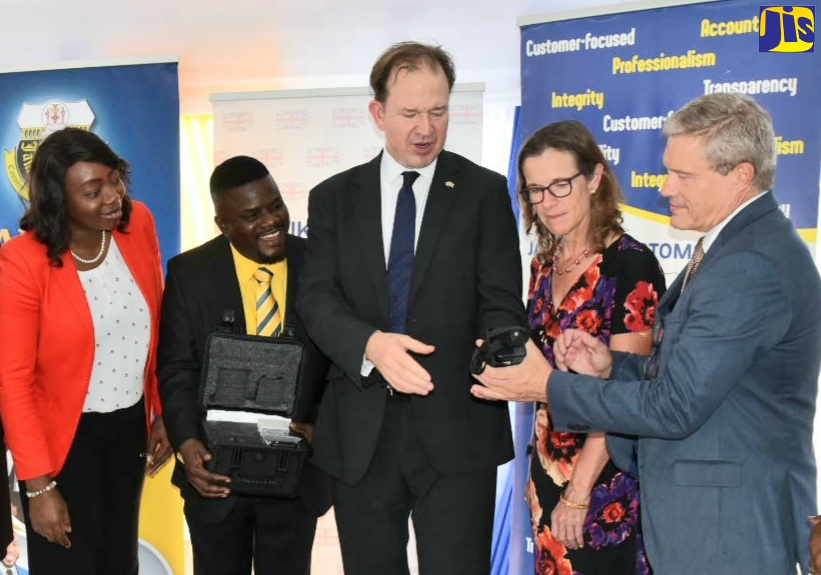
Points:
(559, 189)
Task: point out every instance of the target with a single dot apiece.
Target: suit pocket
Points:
(338, 379)
(699, 473)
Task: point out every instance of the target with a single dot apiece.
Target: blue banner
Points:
(135, 108)
(622, 75)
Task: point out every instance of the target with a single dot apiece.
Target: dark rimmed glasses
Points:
(559, 189)
(651, 367)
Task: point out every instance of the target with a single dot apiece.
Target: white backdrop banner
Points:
(306, 136)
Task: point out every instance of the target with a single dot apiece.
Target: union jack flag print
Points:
(292, 119)
(293, 190)
(348, 117)
(322, 157)
(237, 121)
(271, 157)
(465, 115)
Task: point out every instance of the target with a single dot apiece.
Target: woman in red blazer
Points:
(79, 297)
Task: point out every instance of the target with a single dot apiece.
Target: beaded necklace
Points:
(95, 259)
(557, 254)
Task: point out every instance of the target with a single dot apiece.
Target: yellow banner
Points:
(162, 523)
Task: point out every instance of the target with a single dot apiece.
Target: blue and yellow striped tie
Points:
(269, 322)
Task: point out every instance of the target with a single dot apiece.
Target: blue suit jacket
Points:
(725, 454)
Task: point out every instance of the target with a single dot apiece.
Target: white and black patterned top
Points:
(122, 332)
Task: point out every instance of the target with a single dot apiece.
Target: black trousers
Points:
(276, 534)
(101, 483)
(452, 515)
(6, 533)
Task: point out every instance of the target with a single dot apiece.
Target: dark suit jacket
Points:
(725, 455)
(467, 276)
(201, 283)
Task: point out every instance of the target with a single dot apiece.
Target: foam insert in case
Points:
(260, 375)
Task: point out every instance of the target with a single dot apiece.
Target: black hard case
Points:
(255, 374)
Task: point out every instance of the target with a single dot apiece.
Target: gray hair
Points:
(734, 129)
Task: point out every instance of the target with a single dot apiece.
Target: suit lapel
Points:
(441, 199)
(65, 281)
(295, 254)
(755, 210)
(670, 297)
(367, 214)
(224, 285)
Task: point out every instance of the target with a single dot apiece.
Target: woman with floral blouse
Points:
(587, 274)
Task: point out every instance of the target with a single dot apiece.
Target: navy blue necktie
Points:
(400, 263)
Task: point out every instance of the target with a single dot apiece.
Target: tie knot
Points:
(408, 178)
(263, 275)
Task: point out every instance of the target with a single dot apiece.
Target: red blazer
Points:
(47, 349)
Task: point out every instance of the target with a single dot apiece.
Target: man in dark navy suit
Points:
(411, 257)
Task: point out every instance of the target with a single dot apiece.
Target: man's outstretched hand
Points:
(579, 351)
(526, 381)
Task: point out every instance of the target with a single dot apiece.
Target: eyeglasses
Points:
(559, 189)
(651, 367)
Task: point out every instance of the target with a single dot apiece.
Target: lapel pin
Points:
(450, 184)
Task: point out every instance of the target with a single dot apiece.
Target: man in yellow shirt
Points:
(204, 285)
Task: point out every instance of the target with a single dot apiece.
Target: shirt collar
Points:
(712, 234)
(246, 267)
(393, 169)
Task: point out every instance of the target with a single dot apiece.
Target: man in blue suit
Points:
(723, 408)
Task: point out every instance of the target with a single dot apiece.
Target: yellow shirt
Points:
(245, 269)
